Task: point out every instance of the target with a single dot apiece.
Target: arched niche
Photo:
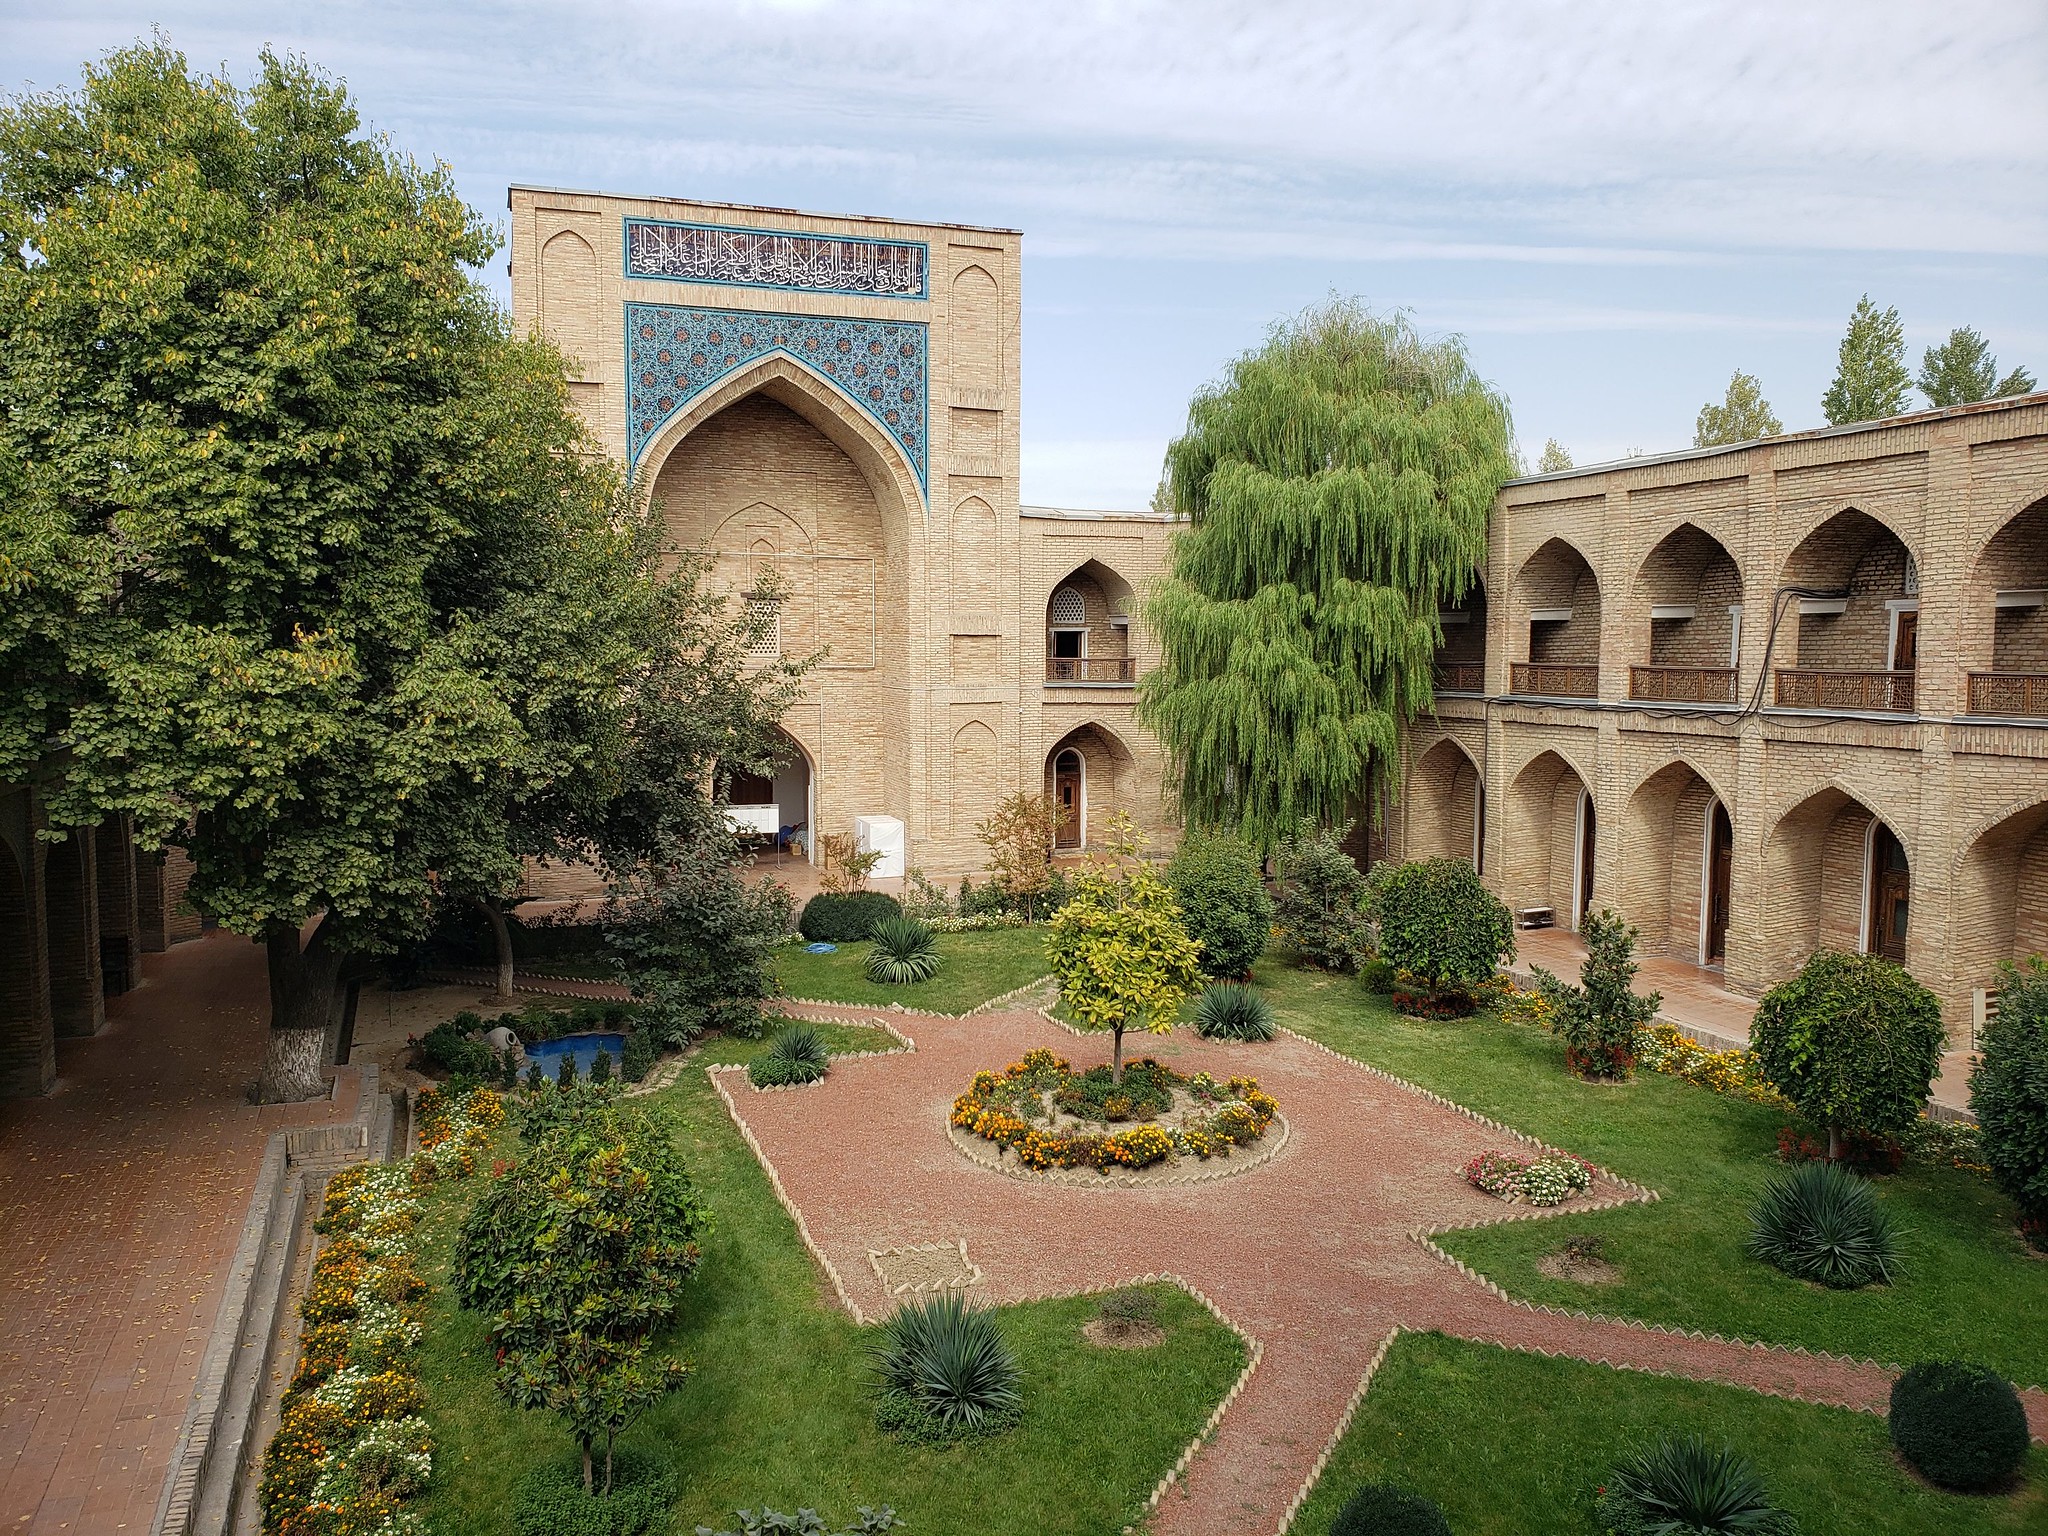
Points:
(1088, 617)
(1552, 835)
(1686, 607)
(1445, 805)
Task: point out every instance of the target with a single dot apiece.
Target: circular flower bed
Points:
(1053, 1117)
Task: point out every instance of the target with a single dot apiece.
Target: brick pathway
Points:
(125, 1193)
(1313, 1254)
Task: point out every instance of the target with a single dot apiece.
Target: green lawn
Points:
(973, 967)
(1969, 1288)
(1515, 1445)
(778, 1409)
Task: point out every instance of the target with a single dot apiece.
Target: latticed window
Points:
(1067, 608)
(765, 613)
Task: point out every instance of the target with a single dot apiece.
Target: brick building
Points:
(835, 400)
(1763, 699)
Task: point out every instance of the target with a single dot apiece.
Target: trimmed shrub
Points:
(1441, 928)
(1961, 1425)
(1819, 1221)
(550, 1501)
(1223, 901)
(1378, 976)
(2009, 1093)
(906, 952)
(845, 917)
(1853, 1041)
(796, 1055)
(1382, 1509)
(448, 1046)
(1321, 907)
(1598, 1020)
(1229, 1011)
(946, 1371)
(1683, 1484)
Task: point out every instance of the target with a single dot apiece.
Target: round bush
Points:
(1960, 1424)
(1442, 927)
(1852, 1040)
(1685, 1484)
(1819, 1221)
(946, 1370)
(845, 917)
(1382, 1509)
(796, 1055)
(2009, 1093)
(1223, 902)
(906, 951)
(1228, 1011)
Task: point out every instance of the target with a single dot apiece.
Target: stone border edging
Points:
(968, 1145)
(990, 1005)
(1322, 1461)
(958, 1245)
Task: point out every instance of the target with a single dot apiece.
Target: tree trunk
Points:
(607, 1466)
(501, 935)
(1834, 1144)
(1116, 1056)
(587, 1487)
(302, 983)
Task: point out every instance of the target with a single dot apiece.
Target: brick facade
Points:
(1938, 521)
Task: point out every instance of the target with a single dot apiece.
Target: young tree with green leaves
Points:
(1598, 1020)
(1870, 369)
(1742, 416)
(1962, 371)
(1554, 458)
(1337, 483)
(1118, 946)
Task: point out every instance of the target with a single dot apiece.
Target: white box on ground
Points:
(884, 835)
(763, 819)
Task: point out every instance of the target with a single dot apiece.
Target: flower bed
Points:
(352, 1445)
(1044, 1111)
(1549, 1178)
(1661, 1048)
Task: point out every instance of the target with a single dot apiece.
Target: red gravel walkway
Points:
(1313, 1253)
(122, 1196)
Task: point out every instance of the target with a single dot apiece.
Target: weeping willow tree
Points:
(1337, 483)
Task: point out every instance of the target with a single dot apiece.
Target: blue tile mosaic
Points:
(674, 352)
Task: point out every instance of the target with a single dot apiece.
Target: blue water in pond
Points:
(584, 1048)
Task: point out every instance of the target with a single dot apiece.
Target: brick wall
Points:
(120, 911)
(28, 1048)
(184, 920)
(71, 906)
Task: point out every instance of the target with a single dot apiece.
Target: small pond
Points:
(584, 1048)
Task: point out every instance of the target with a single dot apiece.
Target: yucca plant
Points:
(946, 1370)
(1818, 1221)
(1682, 1485)
(795, 1055)
(1229, 1010)
(905, 951)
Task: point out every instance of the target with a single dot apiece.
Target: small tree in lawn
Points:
(1321, 906)
(580, 1254)
(1441, 929)
(2009, 1094)
(1853, 1041)
(1223, 901)
(1122, 957)
(1599, 1018)
(1020, 834)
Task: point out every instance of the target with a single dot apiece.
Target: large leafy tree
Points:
(312, 551)
(1337, 482)
(1962, 371)
(1742, 416)
(1870, 369)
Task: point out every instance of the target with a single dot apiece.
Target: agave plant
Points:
(946, 1369)
(1229, 1010)
(1818, 1221)
(1682, 1485)
(905, 951)
(795, 1055)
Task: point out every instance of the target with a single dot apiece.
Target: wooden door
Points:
(1891, 890)
(1906, 643)
(1066, 793)
(1586, 843)
(1720, 877)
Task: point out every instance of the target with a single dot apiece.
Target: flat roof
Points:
(793, 213)
(1942, 413)
(1097, 515)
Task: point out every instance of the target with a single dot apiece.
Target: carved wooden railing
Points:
(1571, 681)
(2009, 693)
(1683, 685)
(1090, 669)
(1808, 688)
(1461, 677)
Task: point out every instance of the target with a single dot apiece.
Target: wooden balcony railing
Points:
(1683, 685)
(1805, 688)
(1554, 682)
(1461, 677)
(1090, 669)
(2023, 694)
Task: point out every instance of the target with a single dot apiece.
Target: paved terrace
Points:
(124, 1197)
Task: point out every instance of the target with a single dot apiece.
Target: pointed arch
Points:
(1551, 828)
(1556, 615)
(1818, 881)
(1444, 804)
(1102, 783)
(1666, 833)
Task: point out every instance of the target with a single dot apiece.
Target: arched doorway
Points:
(1677, 848)
(2001, 897)
(1445, 805)
(1070, 794)
(776, 809)
(1549, 841)
(1090, 775)
(1088, 629)
(1582, 882)
(1716, 885)
(1819, 890)
(1890, 879)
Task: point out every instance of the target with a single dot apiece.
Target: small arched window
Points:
(1067, 608)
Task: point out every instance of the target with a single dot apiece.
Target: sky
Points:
(1616, 205)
